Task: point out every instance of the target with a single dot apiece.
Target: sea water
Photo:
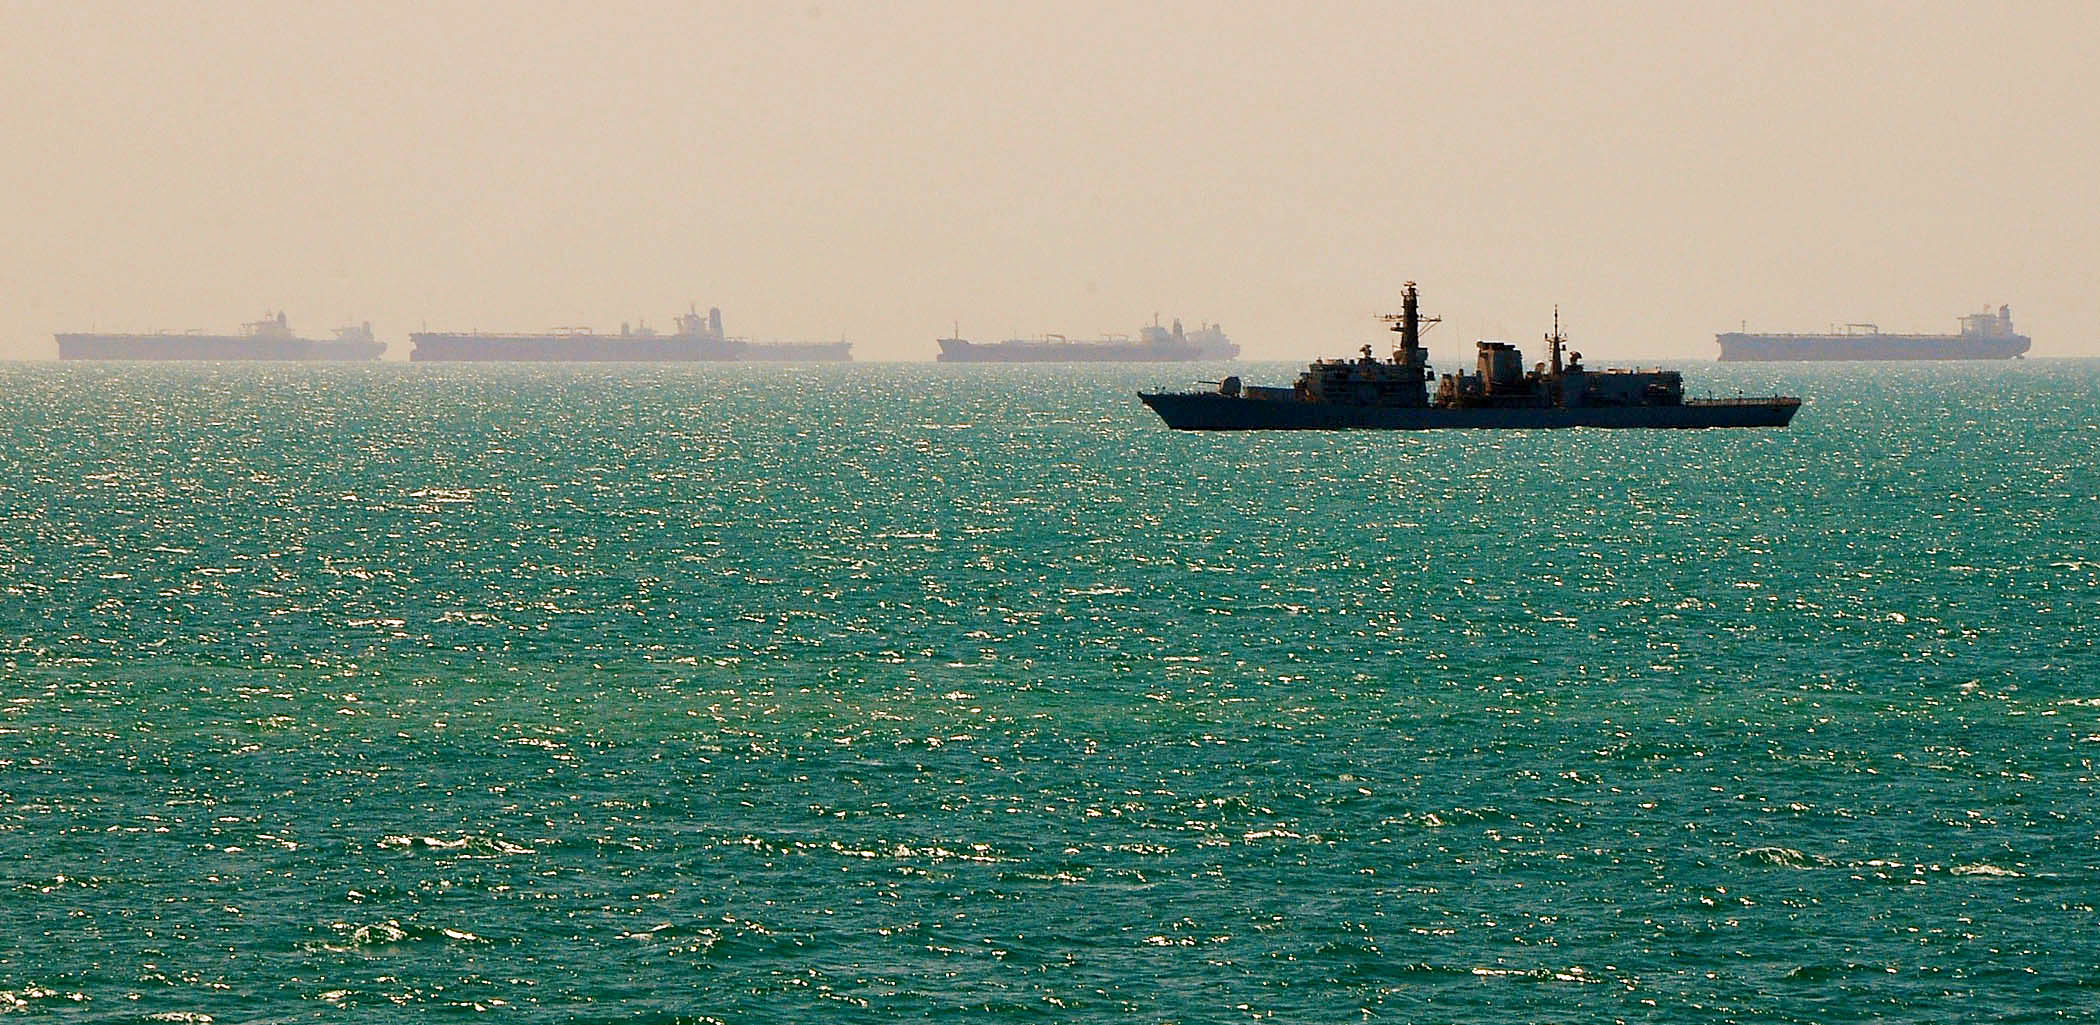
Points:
(897, 693)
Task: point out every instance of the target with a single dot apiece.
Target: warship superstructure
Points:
(697, 338)
(1985, 335)
(1154, 344)
(1394, 394)
(270, 338)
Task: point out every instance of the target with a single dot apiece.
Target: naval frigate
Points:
(1394, 394)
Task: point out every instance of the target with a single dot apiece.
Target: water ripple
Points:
(970, 693)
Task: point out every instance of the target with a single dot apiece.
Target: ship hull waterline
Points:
(1745, 348)
(1096, 353)
(439, 348)
(1210, 411)
(213, 348)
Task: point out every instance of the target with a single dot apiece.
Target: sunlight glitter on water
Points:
(981, 694)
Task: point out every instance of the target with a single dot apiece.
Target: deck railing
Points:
(1742, 400)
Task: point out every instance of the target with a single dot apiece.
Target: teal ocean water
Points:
(902, 693)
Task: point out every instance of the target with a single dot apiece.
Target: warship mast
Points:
(1555, 342)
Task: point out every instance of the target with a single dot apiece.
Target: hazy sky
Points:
(881, 171)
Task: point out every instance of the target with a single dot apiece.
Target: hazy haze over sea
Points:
(972, 693)
(884, 171)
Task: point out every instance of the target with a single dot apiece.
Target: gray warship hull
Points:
(1211, 411)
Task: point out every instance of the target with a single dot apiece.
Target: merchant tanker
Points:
(1154, 344)
(270, 338)
(1394, 394)
(698, 338)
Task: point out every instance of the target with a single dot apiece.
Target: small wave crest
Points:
(1986, 869)
(348, 936)
(1781, 857)
(462, 845)
(28, 996)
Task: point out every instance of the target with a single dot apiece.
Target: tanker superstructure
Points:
(1393, 394)
(1154, 344)
(698, 338)
(1983, 335)
(270, 338)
